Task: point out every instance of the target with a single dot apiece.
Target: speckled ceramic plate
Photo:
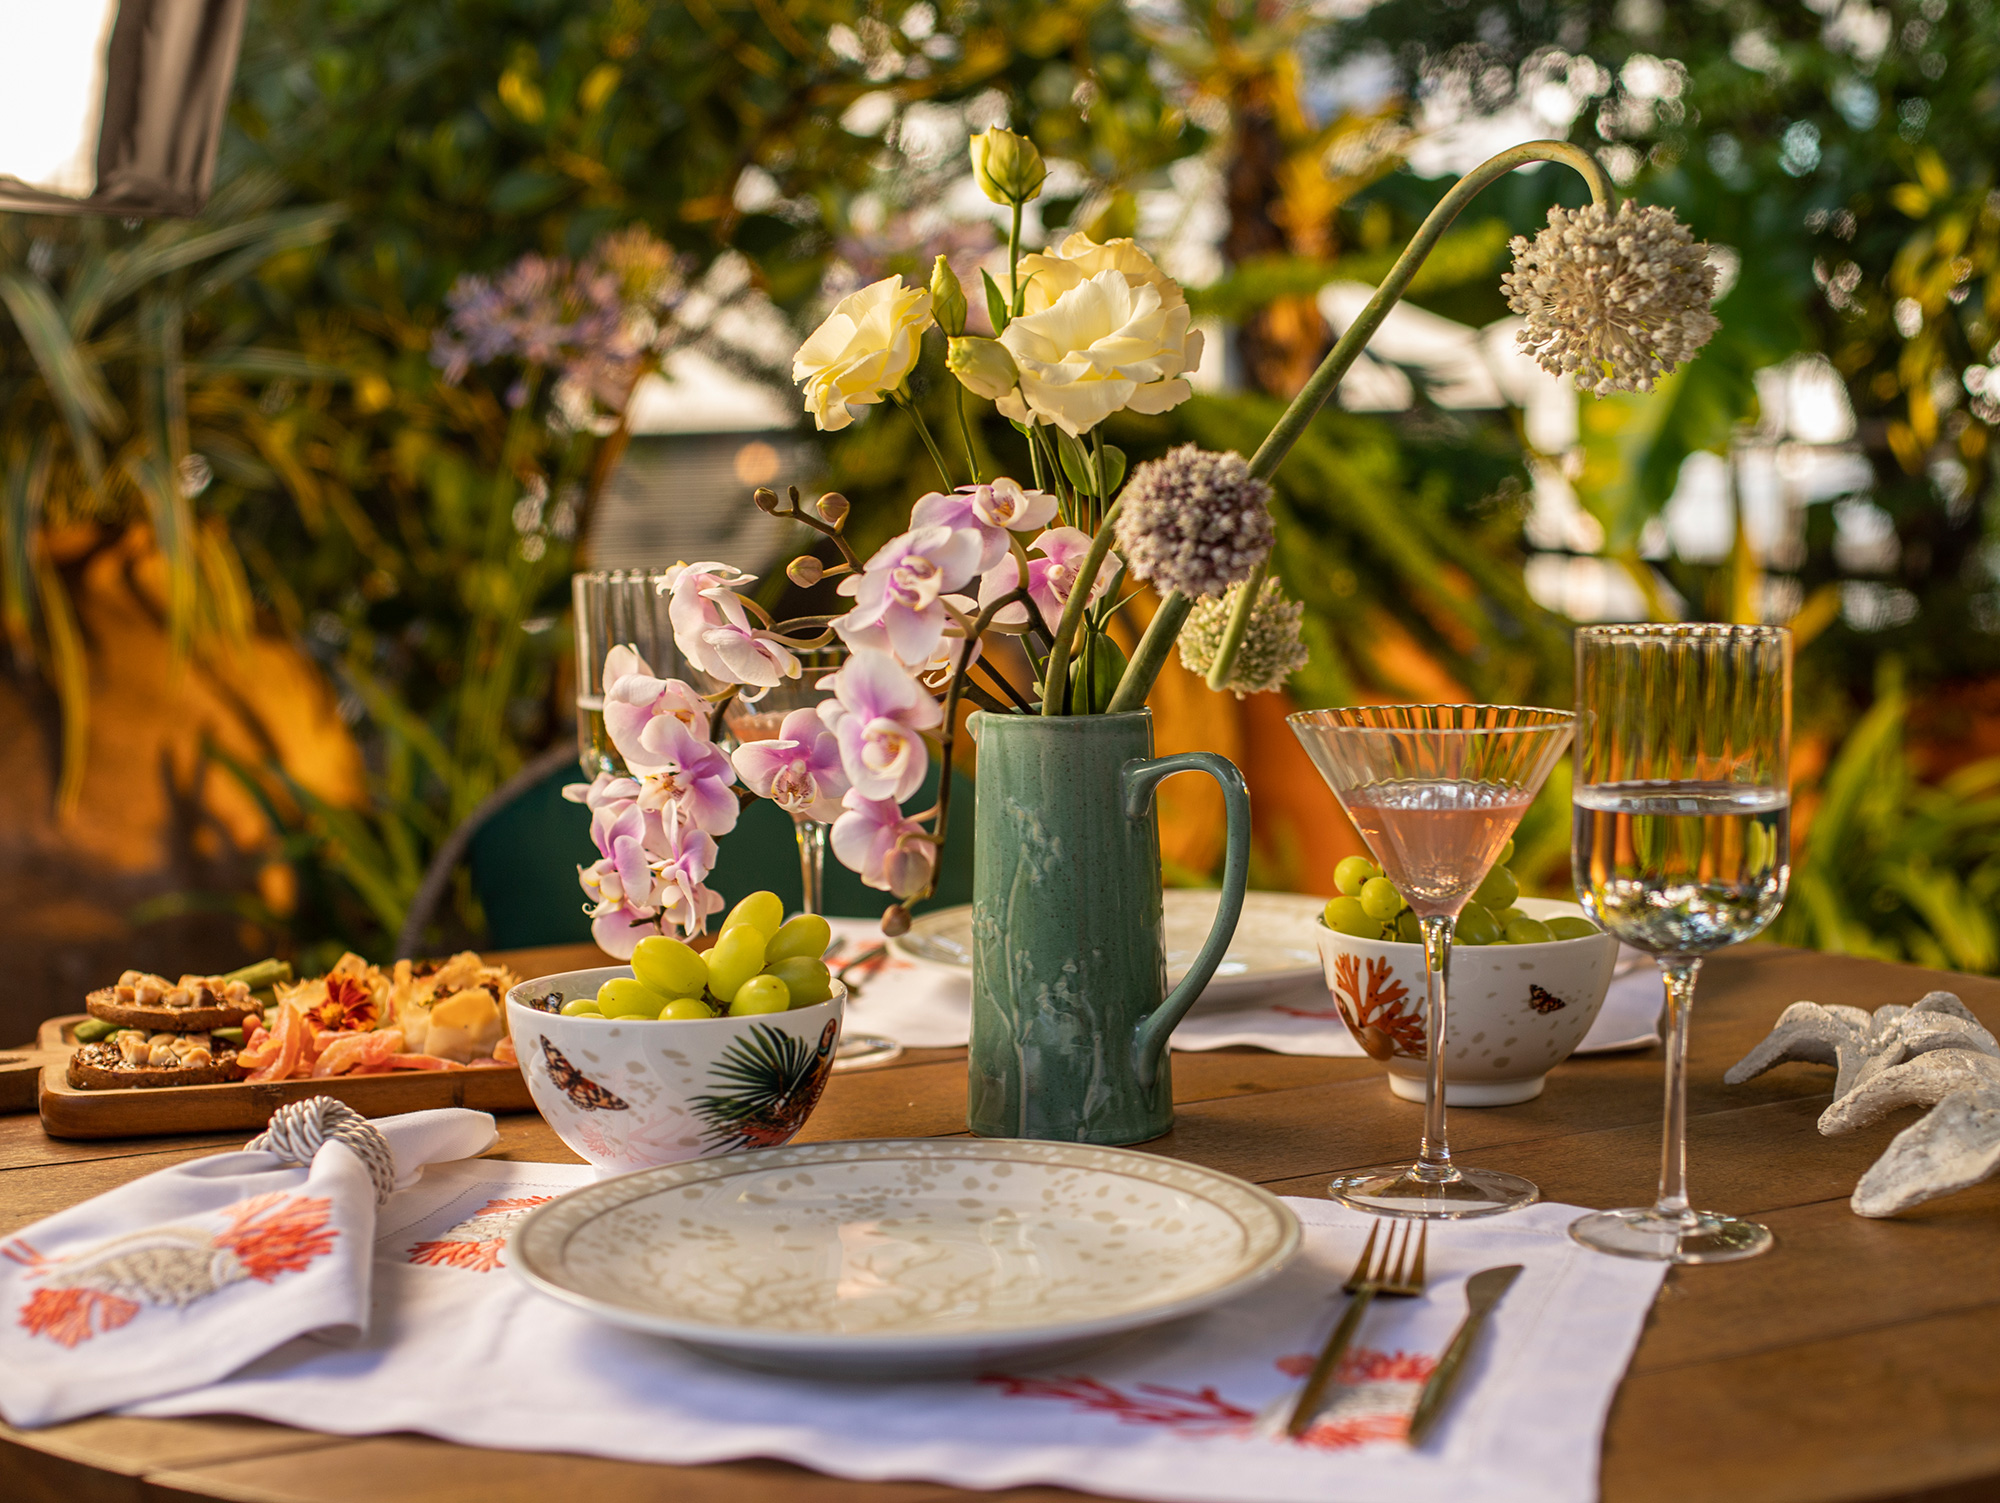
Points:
(897, 1258)
(1272, 949)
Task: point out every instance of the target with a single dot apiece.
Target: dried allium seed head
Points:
(1194, 521)
(1272, 647)
(1619, 299)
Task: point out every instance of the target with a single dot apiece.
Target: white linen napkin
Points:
(928, 1006)
(179, 1278)
(460, 1349)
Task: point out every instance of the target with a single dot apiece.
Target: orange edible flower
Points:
(349, 1005)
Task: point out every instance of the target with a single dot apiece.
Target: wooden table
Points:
(1859, 1360)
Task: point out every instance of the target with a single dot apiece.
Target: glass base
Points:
(1415, 1190)
(1693, 1237)
(863, 1051)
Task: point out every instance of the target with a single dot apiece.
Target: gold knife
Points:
(1482, 1293)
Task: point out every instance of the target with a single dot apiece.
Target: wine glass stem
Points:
(1435, 1158)
(812, 864)
(1679, 974)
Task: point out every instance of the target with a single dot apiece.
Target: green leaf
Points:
(1114, 469)
(996, 305)
(73, 379)
(1075, 462)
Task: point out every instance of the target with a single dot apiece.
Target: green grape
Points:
(1476, 927)
(1506, 854)
(808, 935)
(625, 997)
(1498, 891)
(1354, 873)
(760, 994)
(737, 956)
(582, 1007)
(685, 1010)
(761, 910)
(1347, 916)
(805, 977)
(1527, 931)
(1505, 916)
(1380, 900)
(1408, 930)
(669, 966)
(1569, 926)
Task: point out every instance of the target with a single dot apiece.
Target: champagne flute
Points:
(1436, 791)
(760, 721)
(1681, 846)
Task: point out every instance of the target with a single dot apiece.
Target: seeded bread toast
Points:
(193, 1005)
(135, 1060)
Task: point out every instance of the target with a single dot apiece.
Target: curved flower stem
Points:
(1056, 680)
(924, 432)
(950, 737)
(1312, 396)
(965, 431)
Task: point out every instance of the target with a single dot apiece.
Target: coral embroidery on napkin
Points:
(474, 1244)
(1373, 1397)
(1374, 1394)
(88, 1293)
(1201, 1412)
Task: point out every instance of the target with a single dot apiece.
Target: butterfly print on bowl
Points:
(1544, 1001)
(583, 1092)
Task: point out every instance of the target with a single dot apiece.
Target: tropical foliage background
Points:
(242, 411)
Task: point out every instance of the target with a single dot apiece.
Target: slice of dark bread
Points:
(102, 1067)
(204, 1012)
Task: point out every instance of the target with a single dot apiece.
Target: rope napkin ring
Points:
(298, 1128)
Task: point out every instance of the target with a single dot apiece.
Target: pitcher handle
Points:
(1141, 777)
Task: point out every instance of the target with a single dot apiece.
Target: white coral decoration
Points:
(1272, 647)
(1194, 521)
(1619, 299)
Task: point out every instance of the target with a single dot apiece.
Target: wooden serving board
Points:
(247, 1105)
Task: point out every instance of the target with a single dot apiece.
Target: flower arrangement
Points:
(1002, 589)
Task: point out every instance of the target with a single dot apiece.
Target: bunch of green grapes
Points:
(1370, 907)
(761, 963)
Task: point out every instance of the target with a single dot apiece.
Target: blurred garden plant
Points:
(126, 398)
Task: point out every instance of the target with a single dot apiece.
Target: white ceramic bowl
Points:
(1516, 1011)
(635, 1094)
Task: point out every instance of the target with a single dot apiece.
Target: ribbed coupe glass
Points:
(1436, 791)
(1681, 846)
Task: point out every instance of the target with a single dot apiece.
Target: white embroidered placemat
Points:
(460, 1348)
(929, 1006)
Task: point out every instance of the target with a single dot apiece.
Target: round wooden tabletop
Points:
(1856, 1361)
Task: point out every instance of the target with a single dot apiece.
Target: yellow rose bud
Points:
(983, 365)
(947, 299)
(1009, 168)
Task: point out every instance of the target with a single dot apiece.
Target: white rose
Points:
(1049, 274)
(866, 347)
(1109, 342)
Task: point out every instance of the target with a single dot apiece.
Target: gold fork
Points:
(1405, 1280)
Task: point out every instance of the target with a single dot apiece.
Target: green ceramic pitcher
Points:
(1070, 1008)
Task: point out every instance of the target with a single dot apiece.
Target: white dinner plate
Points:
(897, 1258)
(1272, 949)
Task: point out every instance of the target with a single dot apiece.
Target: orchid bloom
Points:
(889, 850)
(633, 697)
(713, 630)
(689, 858)
(1050, 577)
(878, 712)
(799, 771)
(991, 511)
(897, 596)
(687, 772)
(620, 884)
